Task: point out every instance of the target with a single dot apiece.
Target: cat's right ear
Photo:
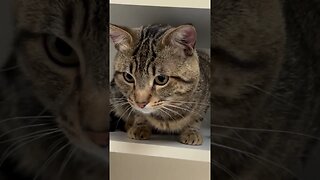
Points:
(121, 37)
(183, 37)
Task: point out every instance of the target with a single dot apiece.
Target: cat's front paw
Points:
(139, 132)
(191, 138)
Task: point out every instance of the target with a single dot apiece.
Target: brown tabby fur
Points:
(50, 111)
(265, 80)
(179, 105)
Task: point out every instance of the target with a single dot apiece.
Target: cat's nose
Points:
(142, 104)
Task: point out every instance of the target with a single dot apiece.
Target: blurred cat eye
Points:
(60, 51)
(128, 77)
(161, 80)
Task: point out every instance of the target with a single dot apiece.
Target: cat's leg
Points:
(191, 134)
(139, 128)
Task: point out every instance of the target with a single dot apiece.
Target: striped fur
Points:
(265, 95)
(55, 111)
(177, 106)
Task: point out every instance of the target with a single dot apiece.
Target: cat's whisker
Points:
(225, 169)
(251, 145)
(8, 69)
(29, 135)
(118, 98)
(189, 102)
(179, 107)
(234, 139)
(162, 110)
(56, 143)
(244, 142)
(128, 108)
(66, 161)
(129, 114)
(247, 142)
(16, 146)
(115, 106)
(256, 157)
(266, 130)
(274, 96)
(51, 152)
(26, 117)
(117, 101)
(23, 127)
(173, 111)
(184, 109)
(121, 104)
(49, 160)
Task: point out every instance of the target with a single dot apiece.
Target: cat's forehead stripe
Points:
(154, 31)
(69, 19)
(145, 53)
(150, 32)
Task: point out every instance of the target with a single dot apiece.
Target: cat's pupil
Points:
(161, 78)
(62, 47)
(128, 77)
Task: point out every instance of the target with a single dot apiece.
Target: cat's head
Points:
(155, 65)
(62, 50)
(248, 41)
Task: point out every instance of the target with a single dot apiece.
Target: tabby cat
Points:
(265, 87)
(54, 92)
(160, 81)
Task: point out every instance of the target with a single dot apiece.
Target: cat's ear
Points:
(183, 37)
(121, 37)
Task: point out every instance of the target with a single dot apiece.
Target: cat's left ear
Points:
(121, 37)
(183, 37)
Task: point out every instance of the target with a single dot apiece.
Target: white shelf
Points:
(165, 146)
(199, 4)
(162, 157)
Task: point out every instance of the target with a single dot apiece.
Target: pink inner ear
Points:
(120, 38)
(190, 36)
(187, 36)
(116, 37)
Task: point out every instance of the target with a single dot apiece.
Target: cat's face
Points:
(248, 41)
(155, 65)
(247, 50)
(62, 50)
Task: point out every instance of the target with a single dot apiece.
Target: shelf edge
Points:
(160, 151)
(176, 3)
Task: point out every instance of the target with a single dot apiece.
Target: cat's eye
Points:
(128, 77)
(61, 52)
(161, 80)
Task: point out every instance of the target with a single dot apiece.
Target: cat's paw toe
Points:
(139, 132)
(191, 138)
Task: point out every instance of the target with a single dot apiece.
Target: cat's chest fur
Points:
(169, 126)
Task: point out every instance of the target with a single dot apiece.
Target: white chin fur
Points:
(145, 110)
